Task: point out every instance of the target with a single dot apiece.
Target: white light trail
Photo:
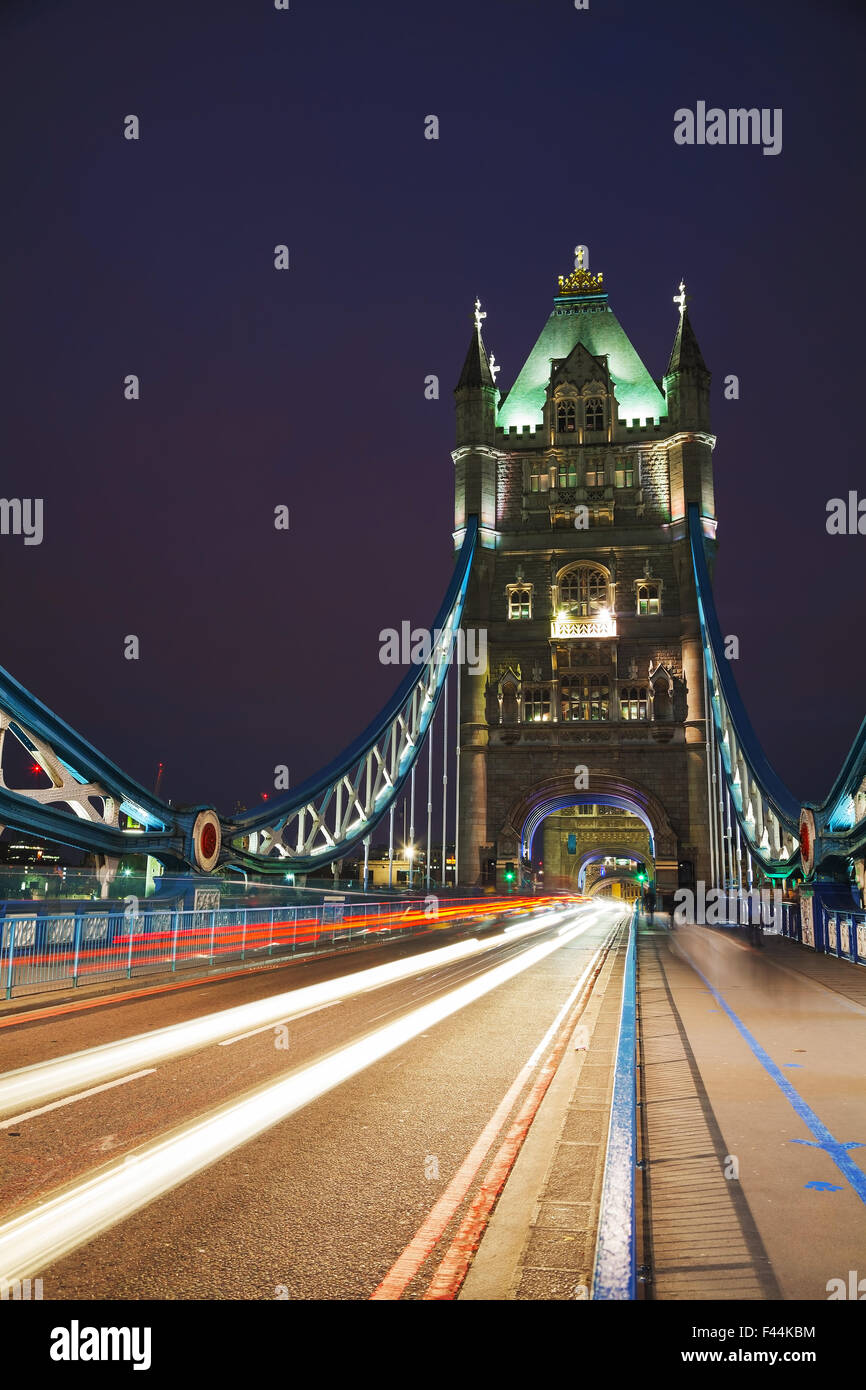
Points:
(37, 1238)
(27, 1087)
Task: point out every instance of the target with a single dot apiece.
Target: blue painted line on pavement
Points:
(838, 1152)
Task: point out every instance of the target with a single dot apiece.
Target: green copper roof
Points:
(598, 328)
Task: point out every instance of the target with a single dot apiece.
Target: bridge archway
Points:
(559, 793)
(590, 856)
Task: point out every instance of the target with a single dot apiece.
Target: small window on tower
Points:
(536, 705)
(648, 600)
(565, 417)
(633, 702)
(595, 413)
(520, 603)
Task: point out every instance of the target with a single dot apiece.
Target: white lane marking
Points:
(69, 1100)
(269, 1027)
(44, 1081)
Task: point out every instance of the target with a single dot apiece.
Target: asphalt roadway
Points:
(321, 1202)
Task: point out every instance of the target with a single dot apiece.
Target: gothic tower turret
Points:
(475, 456)
(687, 391)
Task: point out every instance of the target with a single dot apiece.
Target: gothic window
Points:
(542, 478)
(594, 413)
(633, 703)
(565, 417)
(625, 476)
(585, 697)
(584, 591)
(595, 473)
(519, 601)
(536, 705)
(648, 600)
(568, 474)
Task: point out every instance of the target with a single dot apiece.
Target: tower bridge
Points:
(585, 532)
(597, 720)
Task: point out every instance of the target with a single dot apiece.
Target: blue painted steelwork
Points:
(840, 824)
(737, 740)
(90, 792)
(615, 1272)
(348, 786)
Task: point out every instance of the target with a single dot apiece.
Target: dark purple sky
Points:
(306, 388)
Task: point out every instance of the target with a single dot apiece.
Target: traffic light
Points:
(509, 873)
(640, 876)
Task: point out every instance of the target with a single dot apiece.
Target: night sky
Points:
(306, 387)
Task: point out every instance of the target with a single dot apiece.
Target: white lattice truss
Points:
(347, 809)
(69, 791)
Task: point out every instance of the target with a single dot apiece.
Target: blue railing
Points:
(845, 935)
(42, 951)
(839, 932)
(615, 1273)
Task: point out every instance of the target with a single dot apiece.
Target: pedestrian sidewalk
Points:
(841, 976)
(726, 1210)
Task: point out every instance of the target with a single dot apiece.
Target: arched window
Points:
(584, 590)
(594, 409)
(647, 600)
(585, 697)
(568, 474)
(520, 603)
(633, 703)
(565, 417)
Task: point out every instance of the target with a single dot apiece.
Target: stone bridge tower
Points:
(580, 476)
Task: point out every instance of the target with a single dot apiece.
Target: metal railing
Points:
(615, 1272)
(49, 950)
(845, 935)
(839, 932)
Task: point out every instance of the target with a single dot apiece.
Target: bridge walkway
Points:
(753, 1116)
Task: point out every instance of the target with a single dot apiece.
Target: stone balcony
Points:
(565, 625)
(615, 733)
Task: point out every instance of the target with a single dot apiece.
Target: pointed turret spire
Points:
(687, 379)
(476, 368)
(685, 353)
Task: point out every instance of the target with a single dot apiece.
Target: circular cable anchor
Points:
(807, 840)
(206, 840)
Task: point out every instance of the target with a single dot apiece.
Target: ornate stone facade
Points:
(580, 477)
